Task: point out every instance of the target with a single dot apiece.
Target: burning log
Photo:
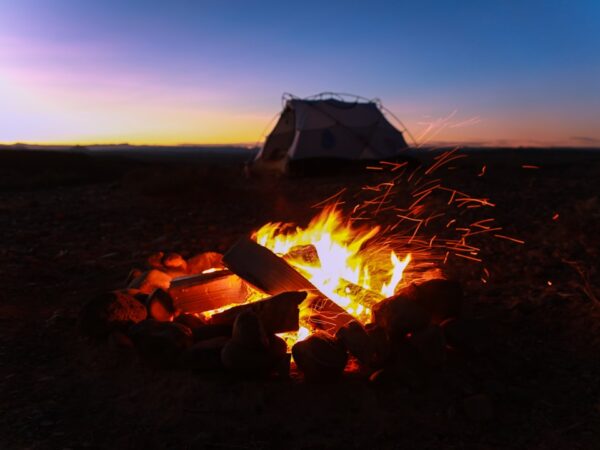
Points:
(264, 269)
(278, 314)
(208, 291)
(273, 275)
(320, 357)
(360, 294)
(115, 310)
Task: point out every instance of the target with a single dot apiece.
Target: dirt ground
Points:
(71, 231)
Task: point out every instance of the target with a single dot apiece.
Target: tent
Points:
(328, 127)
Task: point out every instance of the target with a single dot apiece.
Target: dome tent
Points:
(328, 127)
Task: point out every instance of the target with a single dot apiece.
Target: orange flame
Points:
(334, 256)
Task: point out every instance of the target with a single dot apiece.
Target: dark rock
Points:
(320, 357)
(249, 331)
(381, 344)
(161, 343)
(401, 314)
(247, 361)
(110, 311)
(160, 306)
(441, 298)
(358, 342)
(150, 280)
(205, 356)
(250, 352)
(430, 345)
(190, 320)
(479, 408)
(468, 335)
(211, 331)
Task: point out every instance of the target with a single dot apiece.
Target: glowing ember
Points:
(341, 260)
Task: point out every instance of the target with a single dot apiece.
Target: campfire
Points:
(346, 287)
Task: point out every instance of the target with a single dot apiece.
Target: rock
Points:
(204, 261)
(190, 320)
(479, 408)
(248, 361)
(381, 344)
(160, 306)
(467, 335)
(441, 298)
(161, 343)
(115, 310)
(320, 357)
(430, 345)
(174, 261)
(400, 314)
(150, 280)
(358, 342)
(211, 331)
(155, 260)
(249, 331)
(250, 351)
(205, 356)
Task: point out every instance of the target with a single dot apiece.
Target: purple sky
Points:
(213, 72)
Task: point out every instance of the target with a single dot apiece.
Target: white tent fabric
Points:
(329, 128)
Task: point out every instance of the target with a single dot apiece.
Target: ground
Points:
(69, 232)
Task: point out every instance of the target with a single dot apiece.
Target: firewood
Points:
(326, 315)
(277, 314)
(208, 291)
(264, 269)
(360, 294)
(441, 298)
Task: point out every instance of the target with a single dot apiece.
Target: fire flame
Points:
(341, 260)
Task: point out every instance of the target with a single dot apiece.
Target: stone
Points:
(320, 357)
(115, 310)
(205, 356)
(441, 298)
(160, 306)
(357, 341)
(211, 331)
(161, 343)
(472, 335)
(401, 314)
(430, 345)
(381, 344)
(175, 262)
(204, 261)
(150, 280)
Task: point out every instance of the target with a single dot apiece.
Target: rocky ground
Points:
(71, 232)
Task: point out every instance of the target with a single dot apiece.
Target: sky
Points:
(213, 72)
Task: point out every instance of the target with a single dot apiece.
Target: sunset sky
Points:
(168, 72)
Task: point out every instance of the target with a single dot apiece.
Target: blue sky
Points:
(213, 72)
